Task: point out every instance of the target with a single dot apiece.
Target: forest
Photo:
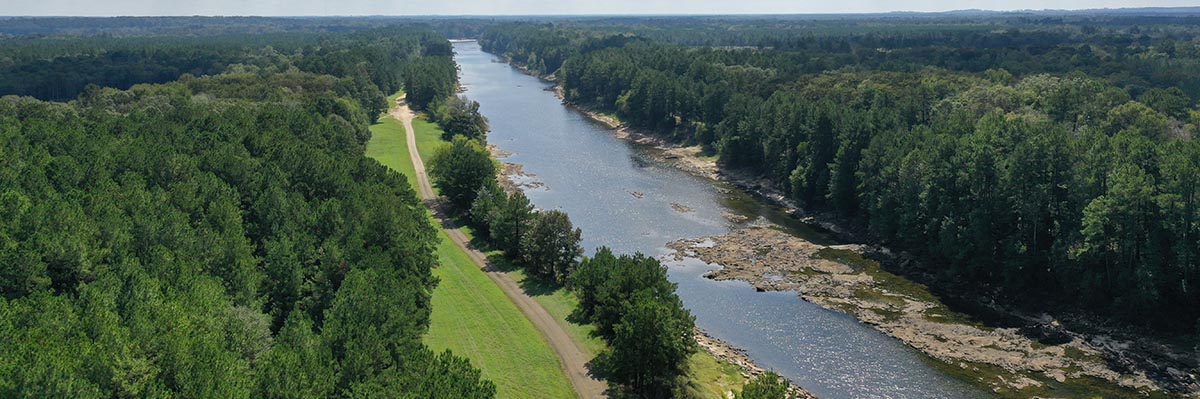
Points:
(1046, 162)
(60, 67)
(220, 235)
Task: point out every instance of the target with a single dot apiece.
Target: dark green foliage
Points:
(607, 283)
(295, 367)
(550, 246)
(634, 308)
(460, 168)
(511, 223)
(219, 236)
(650, 346)
(368, 62)
(428, 80)
(490, 200)
(971, 148)
(459, 116)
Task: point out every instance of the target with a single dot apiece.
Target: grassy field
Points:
(471, 315)
(710, 378)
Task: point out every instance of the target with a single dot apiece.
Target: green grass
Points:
(388, 146)
(429, 138)
(473, 318)
(471, 315)
(709, 377)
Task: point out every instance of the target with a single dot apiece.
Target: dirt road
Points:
(571, 358)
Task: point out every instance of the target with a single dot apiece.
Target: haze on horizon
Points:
(535, 7)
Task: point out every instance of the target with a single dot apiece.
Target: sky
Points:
(534, 7)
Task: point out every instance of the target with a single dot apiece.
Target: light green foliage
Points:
(766, 386)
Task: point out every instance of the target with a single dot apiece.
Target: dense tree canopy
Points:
(1042, 161)
(634, 308)
(460, 168)
(550, 246)
(219, 236)
(459, 116)
(59, 68)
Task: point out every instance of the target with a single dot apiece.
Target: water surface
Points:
(622, 198)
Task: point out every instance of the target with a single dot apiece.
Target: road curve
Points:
(571, 358)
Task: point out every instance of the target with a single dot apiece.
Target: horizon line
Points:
(906, 12)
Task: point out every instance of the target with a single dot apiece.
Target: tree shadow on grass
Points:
(532, 286)
(536, 287)
(498, 263)
(596, 369)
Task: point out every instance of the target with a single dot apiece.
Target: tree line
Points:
(220, 236)
(1056, 174)
(628, 298)
(60, 67)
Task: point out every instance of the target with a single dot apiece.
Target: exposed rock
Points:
(681, 208)
(734, 218)
(512, 177)
(838, 278)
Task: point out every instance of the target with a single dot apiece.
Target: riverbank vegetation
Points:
(647, 334)
(1049, 165)
(989, 160)
(470, 313)
(218, 236)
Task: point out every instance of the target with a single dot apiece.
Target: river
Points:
(594, 176)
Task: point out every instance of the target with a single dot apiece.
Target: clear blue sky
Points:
(514, 7)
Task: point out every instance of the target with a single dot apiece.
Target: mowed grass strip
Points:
(471, 315)
(709, 377)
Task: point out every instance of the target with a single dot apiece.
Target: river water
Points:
(594, 176)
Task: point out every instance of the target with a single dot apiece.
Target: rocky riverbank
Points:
(1113, 367)
(512, 176)
(1144, 364)
(725, 352)
(687, 158)
(840, 278)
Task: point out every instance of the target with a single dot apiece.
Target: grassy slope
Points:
(471, 315)
(710, 378)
